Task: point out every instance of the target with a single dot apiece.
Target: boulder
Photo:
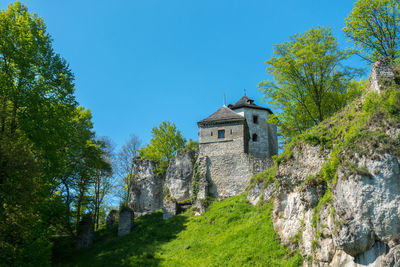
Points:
(125, 221)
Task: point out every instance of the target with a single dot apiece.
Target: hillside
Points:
(331, 199)
(336, 187)
(230, 233)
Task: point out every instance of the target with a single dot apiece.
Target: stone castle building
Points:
(236, 142)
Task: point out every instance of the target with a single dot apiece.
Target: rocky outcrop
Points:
(340, 203)
(125, 221)
(359, 225)
(369, 202)
(258, 193)
(146, 189)
(200, 185)
(178, 178)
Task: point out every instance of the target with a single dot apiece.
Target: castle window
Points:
(221, 134)
(211, 133)
(231, 131)
(255, 119)
(255, 137)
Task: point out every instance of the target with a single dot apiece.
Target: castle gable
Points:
(222, 115)
(246, 102)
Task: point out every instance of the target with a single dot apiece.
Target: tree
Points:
(373, 26)
(48, 154)
(36, 107)
(166, 140)
(103, 183)
(309, 82)
(124, 165)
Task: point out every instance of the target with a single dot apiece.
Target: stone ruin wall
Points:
(381, 71)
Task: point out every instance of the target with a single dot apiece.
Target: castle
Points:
(239, 128)
(235, 142)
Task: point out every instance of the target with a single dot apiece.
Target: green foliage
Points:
(192, 146)
(266, 177)
(231, 233)
(373, 26)
(309, 84)
(327, 198)
(166, 140)
(48, 154)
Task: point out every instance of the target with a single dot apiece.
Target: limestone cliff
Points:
(336, 188)
(148, 190)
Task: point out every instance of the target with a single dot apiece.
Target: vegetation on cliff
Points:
(166, 140)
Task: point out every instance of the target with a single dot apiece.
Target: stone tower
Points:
(235, 142)
(262, 135)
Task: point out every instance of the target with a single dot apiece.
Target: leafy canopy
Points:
(373, 26)
(48, 155)
(166, 140)
(309, 82)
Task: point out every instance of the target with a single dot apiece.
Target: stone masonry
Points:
(381, 72)
(236, 142)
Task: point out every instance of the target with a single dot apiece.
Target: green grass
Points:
(231, 233)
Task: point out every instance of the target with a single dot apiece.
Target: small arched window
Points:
(255, 138)
(211, 133)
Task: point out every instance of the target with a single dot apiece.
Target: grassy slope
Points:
(231, 233)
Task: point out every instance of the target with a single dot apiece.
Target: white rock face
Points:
(370, 204)
(293, 202)
(258, 192)
(179, 174)
(361, 227)
(146, 190)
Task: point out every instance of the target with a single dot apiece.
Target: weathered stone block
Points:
(170, 208)
(125, 222)
(110, 220)
(85, 234)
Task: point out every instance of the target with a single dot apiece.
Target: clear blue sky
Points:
(137, 63)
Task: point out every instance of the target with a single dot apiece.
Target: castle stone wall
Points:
(229, 175)
(233, 143)
(267, 141)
